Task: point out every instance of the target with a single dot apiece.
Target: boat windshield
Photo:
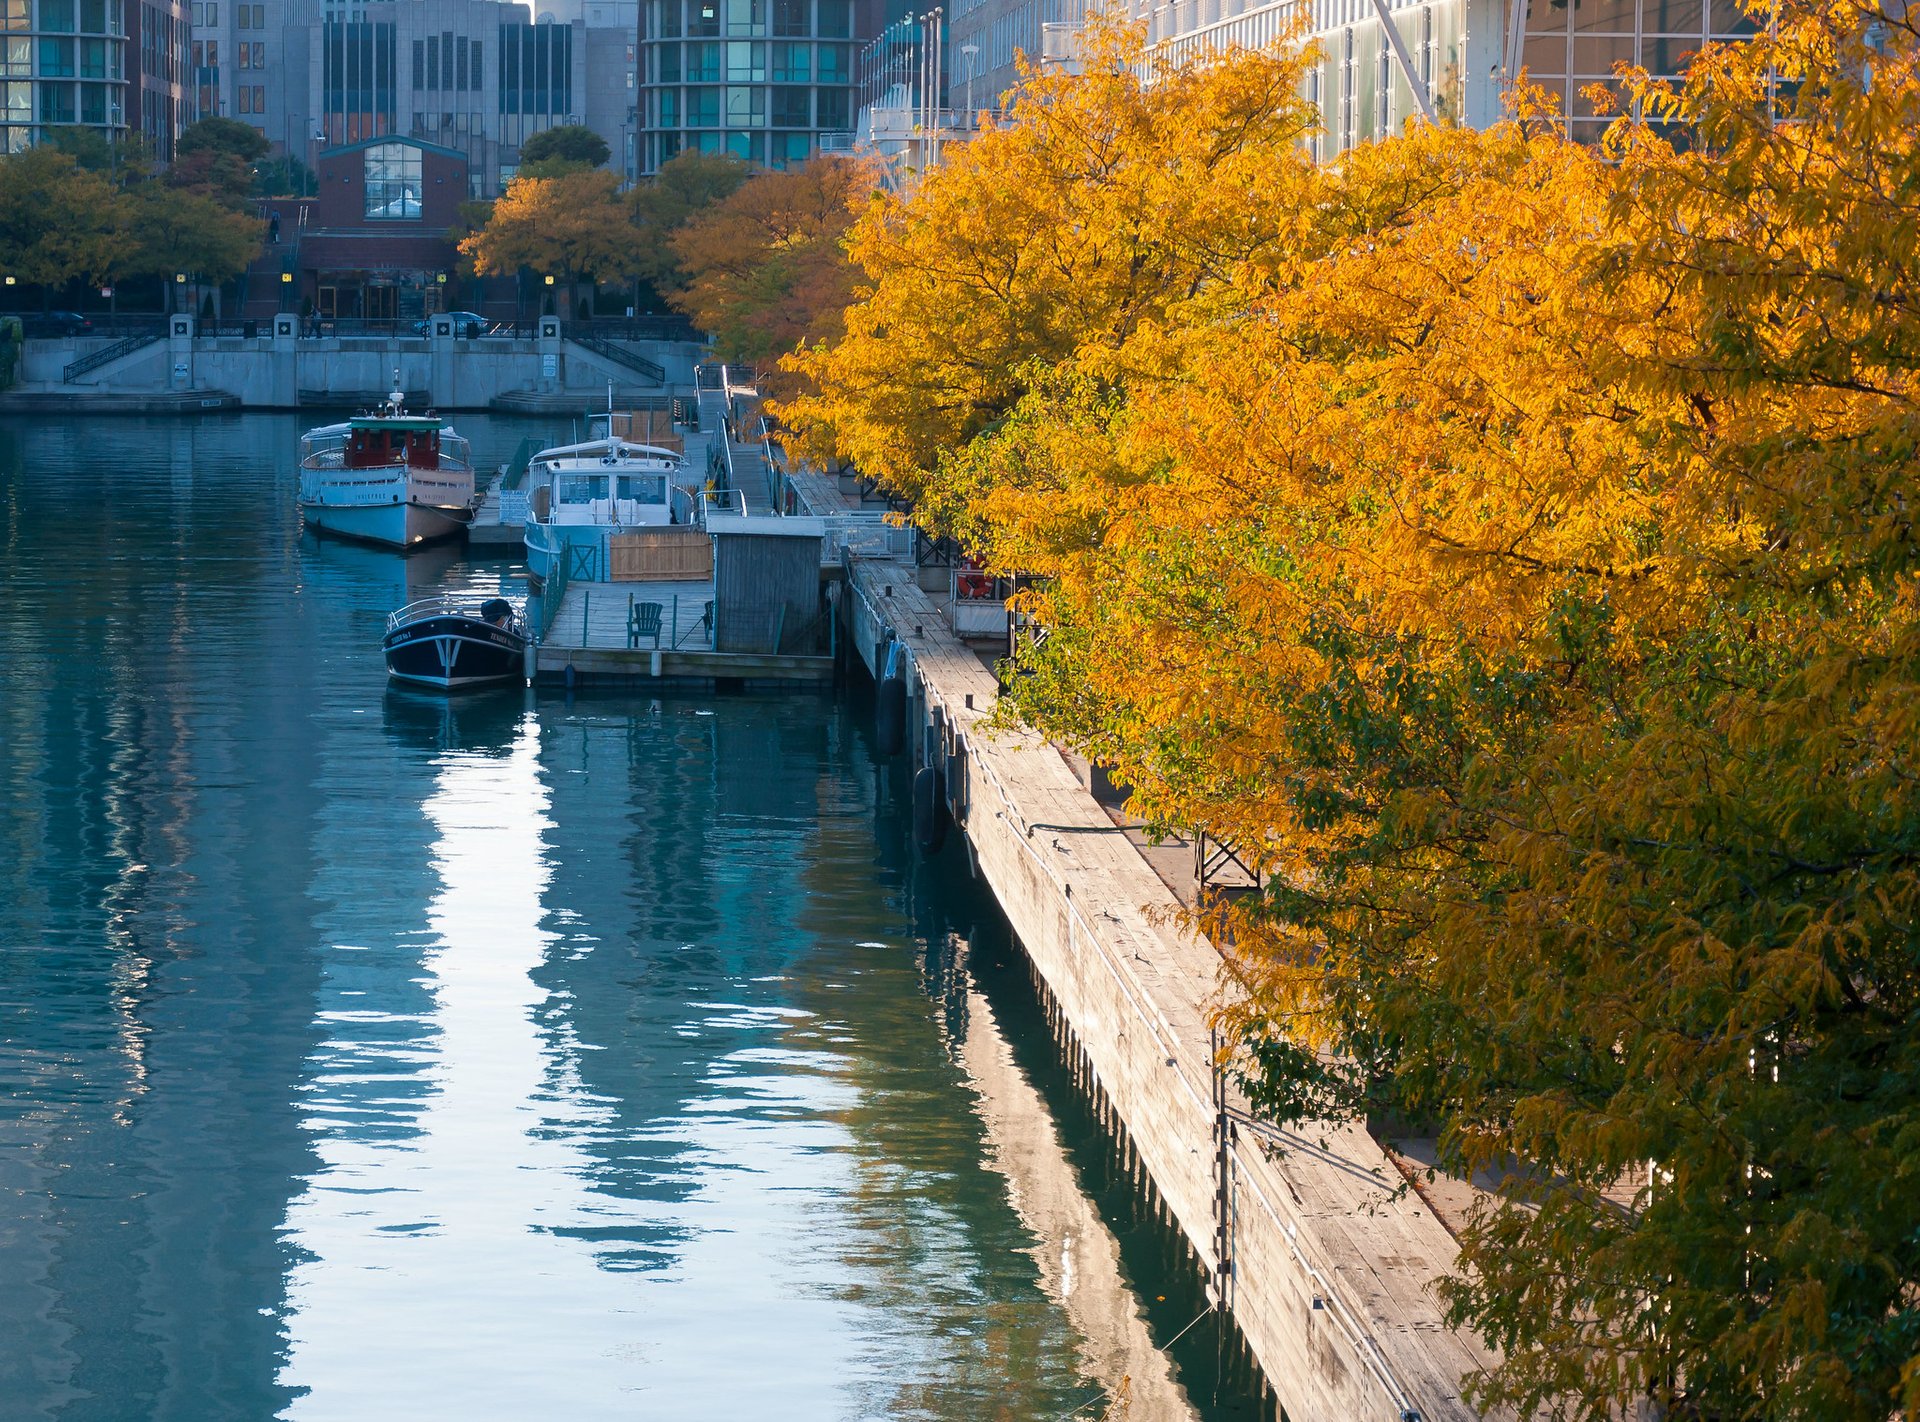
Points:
(644, 489)
(581, 488)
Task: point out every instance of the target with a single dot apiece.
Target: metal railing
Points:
(621, 355)
(108, 354)
(467, 604)
(863, 535)
(552, 593)
(632, 328)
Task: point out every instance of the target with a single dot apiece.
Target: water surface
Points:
(367, 1054)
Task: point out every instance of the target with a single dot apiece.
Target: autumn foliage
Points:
(763, 269)
(1511, 547)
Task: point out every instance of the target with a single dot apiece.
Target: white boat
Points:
(387, 477)
(579, 494)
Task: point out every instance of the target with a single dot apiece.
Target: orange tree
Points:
(1510, 547)
(763, 268)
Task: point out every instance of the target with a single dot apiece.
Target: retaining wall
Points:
(1328, 1272)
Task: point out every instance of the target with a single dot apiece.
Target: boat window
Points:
(644, 489)
(582, 488)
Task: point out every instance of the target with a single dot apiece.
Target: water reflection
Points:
(373, 1054)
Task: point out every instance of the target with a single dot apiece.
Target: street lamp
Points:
(970, 50)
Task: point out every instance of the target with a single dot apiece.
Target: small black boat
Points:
(453, 641)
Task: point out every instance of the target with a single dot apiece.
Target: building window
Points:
(393, 181)
(746, 63)
(56, 58)
(793, 17)
(835, 109)
(57, 15)
(792, 63)
(746, 108)
(56, 103)
(16, 56)
(703, 64)
(93, 17)
(793, 108)
(833, 64)
(93, 59)
(13, 15)
(836, 19)
(703, 108)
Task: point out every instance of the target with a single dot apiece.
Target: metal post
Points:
(1407, 71)
(1223, 1134)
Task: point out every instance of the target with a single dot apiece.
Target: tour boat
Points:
(387, 477)
(580, 493)
(453, 640)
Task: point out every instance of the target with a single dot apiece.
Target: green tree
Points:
(284, 177)
(565, 149)
(216, 158)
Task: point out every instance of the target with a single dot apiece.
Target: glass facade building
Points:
(760, 79)
(1463, 54)
(62, 63)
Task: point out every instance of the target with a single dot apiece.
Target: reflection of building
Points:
(761, 79)
(116, 66)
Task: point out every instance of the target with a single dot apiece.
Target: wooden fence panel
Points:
(661, 555)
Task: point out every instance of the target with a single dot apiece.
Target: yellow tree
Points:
(59, 222)
(573, 226)
(1515, 557)
(1104, 202)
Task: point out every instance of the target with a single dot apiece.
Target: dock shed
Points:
(766, 574)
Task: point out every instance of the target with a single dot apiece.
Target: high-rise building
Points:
(118, 67)
(1381, 63)
(477, 76)
(761, 79)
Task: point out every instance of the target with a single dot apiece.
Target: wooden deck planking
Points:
(594, 615)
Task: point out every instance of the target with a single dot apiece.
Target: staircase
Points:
(261, 285)
(107, 355)
(622, 356)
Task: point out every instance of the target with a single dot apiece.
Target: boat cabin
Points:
(380, 443)
(608, 482)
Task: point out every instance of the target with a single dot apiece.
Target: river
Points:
(372, 1055)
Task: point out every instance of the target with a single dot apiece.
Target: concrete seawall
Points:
(282, 370)
(1327, 1272)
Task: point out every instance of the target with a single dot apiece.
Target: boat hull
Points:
(449, 652)
(392, 525)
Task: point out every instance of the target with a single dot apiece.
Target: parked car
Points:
(59, 323)
(465, 323)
